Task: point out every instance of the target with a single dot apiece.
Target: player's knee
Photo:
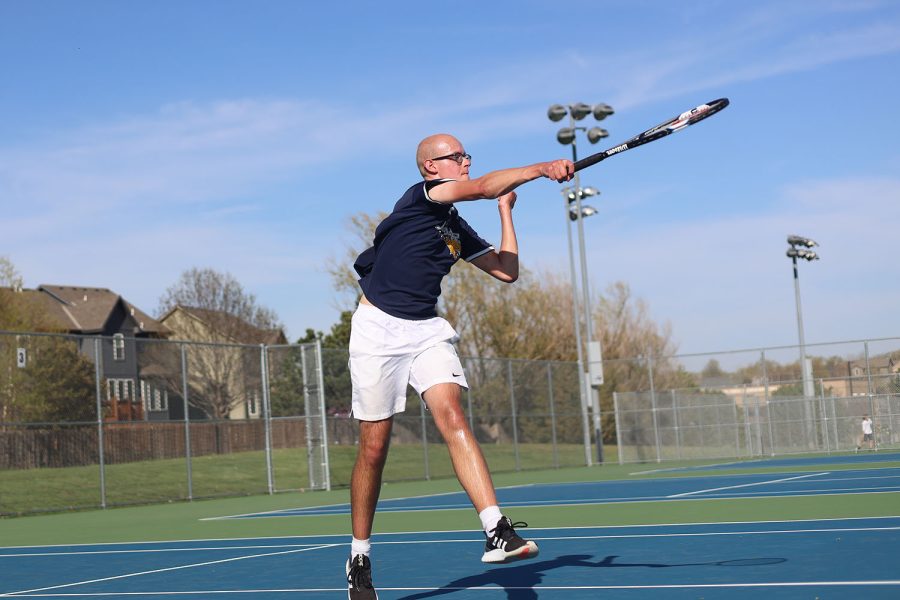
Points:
(374, 451)
(451, 419)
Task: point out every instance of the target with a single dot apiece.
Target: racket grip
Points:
(588, 161)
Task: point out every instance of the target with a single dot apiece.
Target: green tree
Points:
(712, 369)
(56, 385)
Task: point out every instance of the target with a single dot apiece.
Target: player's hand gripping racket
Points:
(662, 130)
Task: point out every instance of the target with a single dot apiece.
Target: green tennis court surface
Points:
(803, 527)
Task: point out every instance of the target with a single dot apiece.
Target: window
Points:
(118, 347)
(155, 399)
(120, 389)
(253, 403)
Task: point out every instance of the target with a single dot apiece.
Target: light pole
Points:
(577, 213)
(800, 248)
(805, 253)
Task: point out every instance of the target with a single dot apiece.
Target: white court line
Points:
(304, 508)
(699, 467)
(443, 531)
(203, 564)
(732, 487)
(814, 492)
(692, 471)
(537, 537)
(496, 588)
(154, 550)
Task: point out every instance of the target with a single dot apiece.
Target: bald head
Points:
(439, 144)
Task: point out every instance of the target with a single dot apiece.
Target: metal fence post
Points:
(512, 403)
(618, 427)
(552, 415)
(653, 407)
(748, 431)
(187, 424)
(98, 367)
(585, 425)
(469, 409)
(768, 398)
(824, 410)
(267, 416)
(737, 430)
(870, 388)
(326, 463)
(675, 420)
(424, 439)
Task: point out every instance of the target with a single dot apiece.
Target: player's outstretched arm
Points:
(497, 183)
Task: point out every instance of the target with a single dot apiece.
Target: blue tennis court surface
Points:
(857, 481)
(841, 558)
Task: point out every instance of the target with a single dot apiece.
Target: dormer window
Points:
(119, 346)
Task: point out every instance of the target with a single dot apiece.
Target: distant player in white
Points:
(867, 434)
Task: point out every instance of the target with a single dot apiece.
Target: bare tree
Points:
(532, 319)
(343, 277)
(212, 307)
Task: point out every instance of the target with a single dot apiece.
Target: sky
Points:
(142, 139)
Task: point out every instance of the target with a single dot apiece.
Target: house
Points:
(858, 380)
(89, 312)
(224, 363)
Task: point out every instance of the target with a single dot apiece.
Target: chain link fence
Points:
(762, 406)
(95, 421)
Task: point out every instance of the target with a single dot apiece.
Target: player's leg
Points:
(503, 543)
(379, 381)
(438, 376)
(365, 482)
(471, 468)
(365, 487)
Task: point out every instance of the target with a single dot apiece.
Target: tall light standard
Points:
(573, 196)
(795, 252)
(800, 248)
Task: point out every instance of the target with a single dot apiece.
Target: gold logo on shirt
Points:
(451, 239)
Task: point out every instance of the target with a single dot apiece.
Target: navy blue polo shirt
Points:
(414, 248)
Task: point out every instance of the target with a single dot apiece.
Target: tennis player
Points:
(868, 435)
(397, 339)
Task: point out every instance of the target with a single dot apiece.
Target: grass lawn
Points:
(239, 474)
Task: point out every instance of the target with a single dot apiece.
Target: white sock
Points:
(489, 518)
(358, 547)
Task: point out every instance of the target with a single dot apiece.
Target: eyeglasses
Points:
(459, 157)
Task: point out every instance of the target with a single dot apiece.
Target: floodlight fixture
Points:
(601, 111)
(586, 211)
(797, 240)
(801, 253)
(582, 192)
(595, 134)
(556, 112)
(565, 136)
(580, 110)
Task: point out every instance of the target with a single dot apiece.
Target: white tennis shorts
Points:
(388, 353)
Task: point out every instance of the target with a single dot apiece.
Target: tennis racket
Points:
(690, 117)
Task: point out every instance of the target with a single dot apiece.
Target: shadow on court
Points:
(518, 581)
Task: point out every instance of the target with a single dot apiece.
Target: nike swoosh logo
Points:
(457, 374)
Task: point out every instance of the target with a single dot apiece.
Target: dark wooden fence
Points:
(72, 445)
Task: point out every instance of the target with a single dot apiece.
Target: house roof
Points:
(875, 362)
(86, 309)
(236, 329)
